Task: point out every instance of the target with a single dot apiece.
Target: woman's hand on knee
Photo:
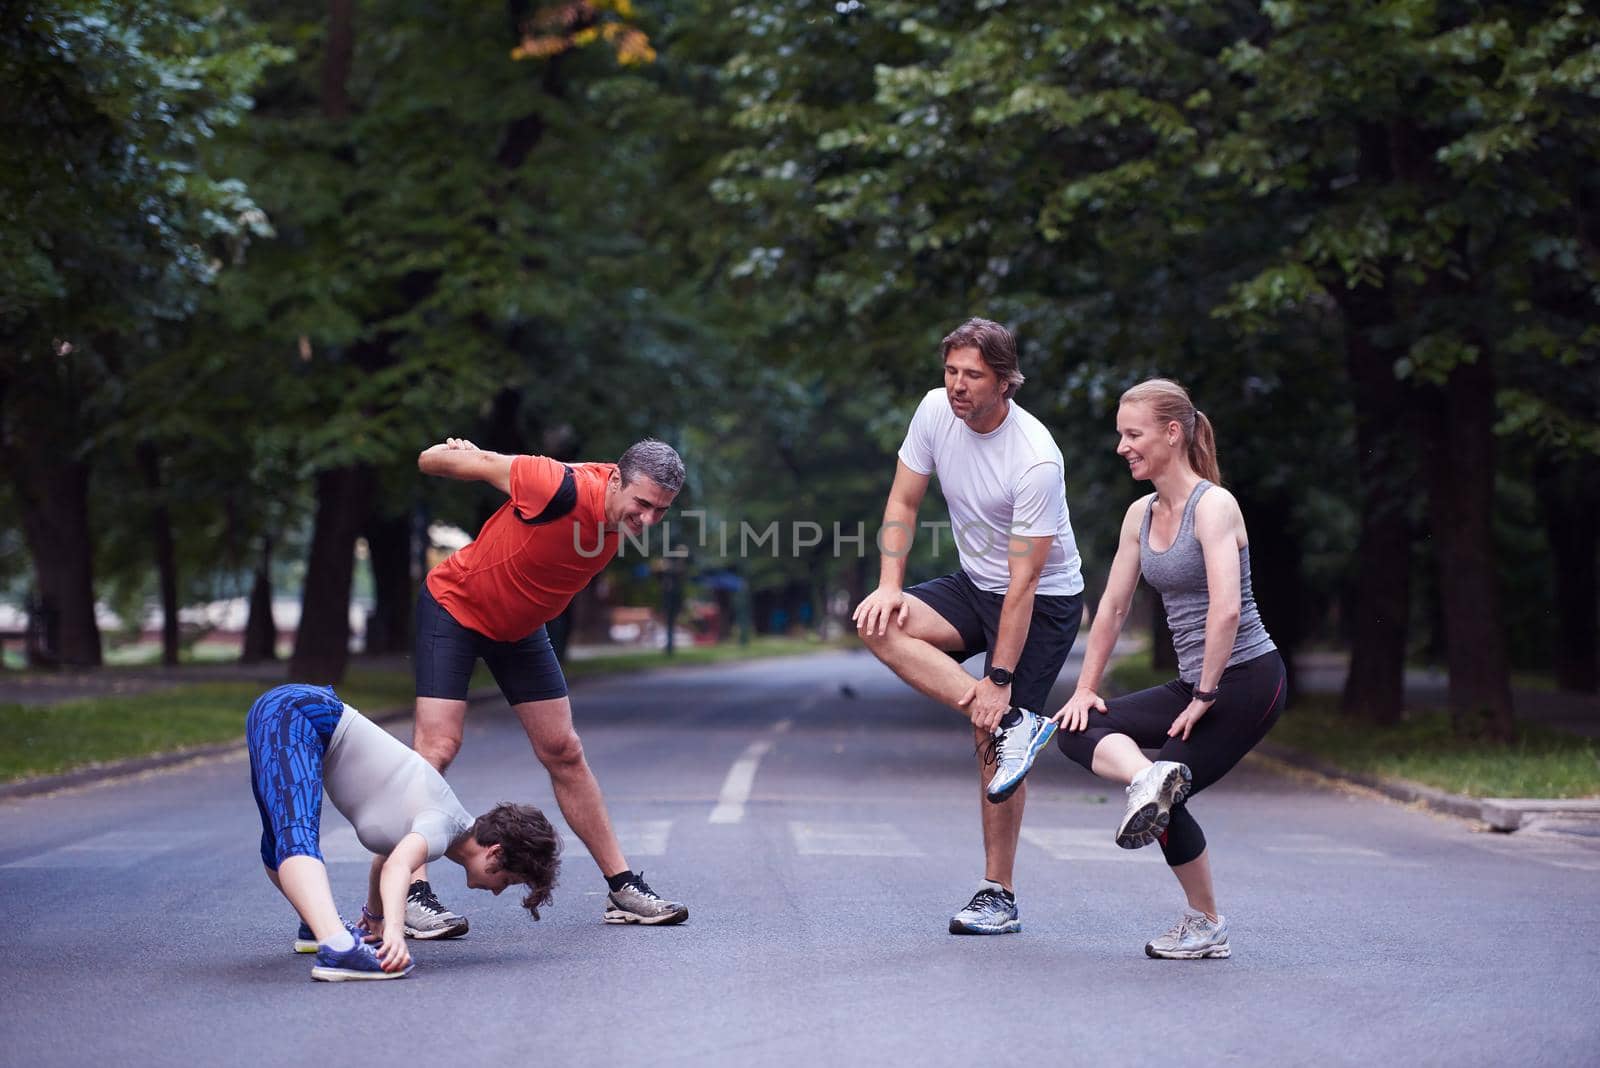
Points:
(1074, 715)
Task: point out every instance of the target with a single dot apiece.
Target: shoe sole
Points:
(1040, 740)
(1149, 821)
(341, 975)
(664, 920)
(452, 931)
(958, 928)
(1216, 952)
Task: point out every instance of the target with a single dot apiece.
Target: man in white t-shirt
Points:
(1017, 597)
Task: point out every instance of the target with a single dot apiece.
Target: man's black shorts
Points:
(526, 670)
(975, 614)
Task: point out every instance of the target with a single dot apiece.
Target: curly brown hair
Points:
(529, 848)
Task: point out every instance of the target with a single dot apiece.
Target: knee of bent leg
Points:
(877, 643)
(562, 750)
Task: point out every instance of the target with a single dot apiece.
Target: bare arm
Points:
(460, 459)
(392, 877)
(894, 542)
(1025, 557)
(1109, 618)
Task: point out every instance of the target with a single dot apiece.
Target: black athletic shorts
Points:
(526, 670)
(975, 614)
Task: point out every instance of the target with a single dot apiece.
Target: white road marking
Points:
(851, 840)
(1073, 843)
(741, 777)
(117, 849)
(1319, 845)
(640, 838)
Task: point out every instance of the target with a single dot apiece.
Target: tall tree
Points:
(112, 225)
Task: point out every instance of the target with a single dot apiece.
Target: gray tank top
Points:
(1179, 575)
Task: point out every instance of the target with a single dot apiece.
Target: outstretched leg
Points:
(558, 747)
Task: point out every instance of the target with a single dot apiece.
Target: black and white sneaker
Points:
(427, 919)
(992, 910)
(1021, 737)
(635, 902)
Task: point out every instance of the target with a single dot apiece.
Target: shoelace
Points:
(426, 900)
(1180, 928)
(990, 750)
(986, 899)
(643, 888)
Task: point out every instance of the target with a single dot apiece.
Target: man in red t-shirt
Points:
(491, 600)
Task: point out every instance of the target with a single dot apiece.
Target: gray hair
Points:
(655, 460)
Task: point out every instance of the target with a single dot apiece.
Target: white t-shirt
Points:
(1008, 481)
(386, 790)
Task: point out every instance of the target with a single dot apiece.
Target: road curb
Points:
(1411, 793)
(1499, 813)
(91, 774)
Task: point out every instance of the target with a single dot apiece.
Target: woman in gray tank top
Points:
(1188, 540)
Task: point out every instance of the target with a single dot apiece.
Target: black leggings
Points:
(1250, 696)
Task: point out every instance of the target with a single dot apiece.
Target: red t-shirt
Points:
(514, 577)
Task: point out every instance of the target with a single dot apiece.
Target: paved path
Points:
(822, 840)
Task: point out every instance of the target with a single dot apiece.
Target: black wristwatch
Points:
(1205, 695)
(1000, 676)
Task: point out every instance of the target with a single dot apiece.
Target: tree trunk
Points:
(1459, 445)
(261, 631)
(54, 496)
(161, 542)
(389, 552)
(339, 52)
(1276, 579)
(1569, 500)
(322, 644)
(1379, 599)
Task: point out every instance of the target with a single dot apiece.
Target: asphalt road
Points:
(139, 928)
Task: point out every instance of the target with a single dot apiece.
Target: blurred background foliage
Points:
(255, 257)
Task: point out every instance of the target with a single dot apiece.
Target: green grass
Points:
(43, 741)
(1540, 763)
(55, 738)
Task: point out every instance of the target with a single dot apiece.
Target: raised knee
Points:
(877, 643)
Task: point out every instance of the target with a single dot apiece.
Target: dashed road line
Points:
(742, 776)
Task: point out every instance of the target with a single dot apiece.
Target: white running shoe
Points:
(1191, 938)
(1151, 795)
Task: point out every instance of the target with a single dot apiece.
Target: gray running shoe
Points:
(1191, 938)
(1151, 796)
(992, 910)
(1017, 743)
(637, 903)
(427, 919)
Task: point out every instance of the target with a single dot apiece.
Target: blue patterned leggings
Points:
(288, 731)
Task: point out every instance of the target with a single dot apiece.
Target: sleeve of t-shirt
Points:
(1036, 506)
(534, 482)
(438, 828)
(916, 451)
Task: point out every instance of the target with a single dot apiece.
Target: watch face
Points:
(1000, 677)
